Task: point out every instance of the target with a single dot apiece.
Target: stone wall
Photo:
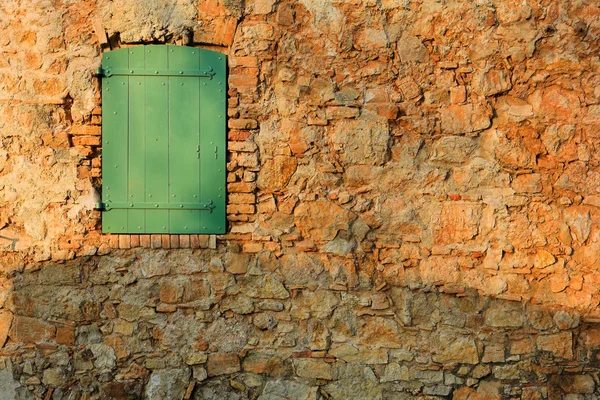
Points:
(412, 205)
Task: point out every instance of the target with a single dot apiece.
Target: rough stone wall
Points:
(413, 197)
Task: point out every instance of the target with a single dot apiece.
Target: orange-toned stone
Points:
(30, 330)
(6, 318)
(222, 363)
(560, 344)
(65, 335)
(170, 292)
(119, 345)
(264, 364)
(458, 222)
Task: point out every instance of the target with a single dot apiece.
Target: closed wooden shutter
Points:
(163, 140)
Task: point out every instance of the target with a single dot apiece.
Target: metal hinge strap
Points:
(157, 206)
(108, 72)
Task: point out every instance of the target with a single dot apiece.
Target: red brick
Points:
(194, 242)
(238, 135)
(241, 187)
(184, 241)
(145, 241)
(240, 209)
(244, 61)
(174, 241)
(232, 113)
(86, 140)
(135, 240)
(166, 242)
(242, 123)
(113, 241)
(156, 241)
(124, 242)
(242, 80)
(243, 71)
(203, 241)
(229, 31)
(242, 198)
(84, 172)
(86, 130)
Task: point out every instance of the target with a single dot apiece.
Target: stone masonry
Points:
(413, 198)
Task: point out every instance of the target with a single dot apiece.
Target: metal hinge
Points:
(108, 72)
(210, 206)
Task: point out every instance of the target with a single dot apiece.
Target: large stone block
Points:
(452, 347)
(222, 363)
(460, 119)
(321, 220)
(363, 140)
(30, 330)
(457, 222)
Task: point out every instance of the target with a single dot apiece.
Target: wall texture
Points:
(414, 193)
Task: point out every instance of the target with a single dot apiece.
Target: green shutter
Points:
(163, 140)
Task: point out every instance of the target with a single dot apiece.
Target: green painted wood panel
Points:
(164, 130)
(136, 219)
(184, 139)
(115, 132)
(213, 141)
(157, 139)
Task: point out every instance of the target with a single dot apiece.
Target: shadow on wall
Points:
(210, 324)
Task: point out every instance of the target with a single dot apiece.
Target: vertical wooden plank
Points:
(212, 141)
(137, 141)
(114, 141)
(157, 145)
(184, 126)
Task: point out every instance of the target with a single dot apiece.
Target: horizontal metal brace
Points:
(108, 72)
(157, 206)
